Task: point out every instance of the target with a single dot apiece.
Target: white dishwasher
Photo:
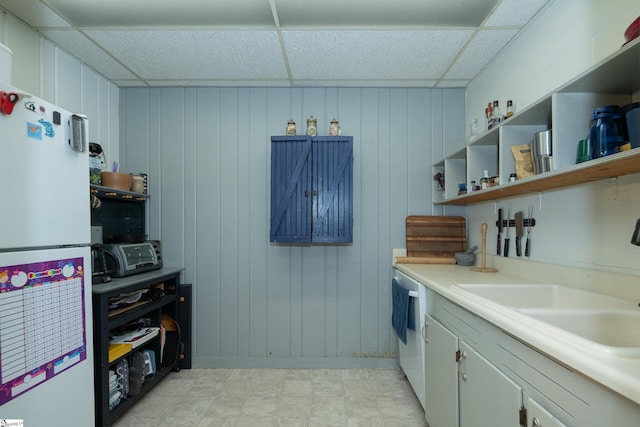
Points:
(411, 355)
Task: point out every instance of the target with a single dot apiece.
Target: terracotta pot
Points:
(117, 180)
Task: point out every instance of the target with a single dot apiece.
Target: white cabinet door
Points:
(537, 416)
(487, 397)
(441, 375)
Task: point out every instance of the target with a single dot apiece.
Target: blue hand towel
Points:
(402, 316)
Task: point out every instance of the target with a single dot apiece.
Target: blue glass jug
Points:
(604, 136)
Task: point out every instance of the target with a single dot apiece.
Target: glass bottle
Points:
(487, 114)
(484, 181)
(496, 117)
(509, 109)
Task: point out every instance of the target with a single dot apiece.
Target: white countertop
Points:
(621, 374)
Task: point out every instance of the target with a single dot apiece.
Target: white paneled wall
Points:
(549, 52)
(46, 71)
(585, 226)
(207, 153)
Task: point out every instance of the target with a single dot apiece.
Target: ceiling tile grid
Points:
(334, 43)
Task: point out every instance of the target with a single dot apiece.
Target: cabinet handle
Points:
(535, 422)
(424, 330)
(181, 299)
(460, 356)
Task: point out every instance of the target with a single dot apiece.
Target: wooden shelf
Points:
(614, 166)
(113, 193)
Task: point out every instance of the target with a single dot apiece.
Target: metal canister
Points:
(541, 151)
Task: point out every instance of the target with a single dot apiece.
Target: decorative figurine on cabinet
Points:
(312, 126)
(291, 128)
(334, 128)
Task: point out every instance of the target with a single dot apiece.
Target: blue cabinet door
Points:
(290, 189)
(311, 189)
(332, 159)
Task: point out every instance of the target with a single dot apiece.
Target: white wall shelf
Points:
(567, 111)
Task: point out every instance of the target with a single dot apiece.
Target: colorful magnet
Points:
(48, 128)
(8, 100)
(34, 131)
(29, 105)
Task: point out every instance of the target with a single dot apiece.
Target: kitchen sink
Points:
(542, 296)
(615, 332)
(599, 322)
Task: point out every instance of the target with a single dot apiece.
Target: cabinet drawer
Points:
(568, 395)
(465, 325)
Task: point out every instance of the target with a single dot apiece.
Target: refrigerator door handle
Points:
(79, 132)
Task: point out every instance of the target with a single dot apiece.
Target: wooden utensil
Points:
(484, 268)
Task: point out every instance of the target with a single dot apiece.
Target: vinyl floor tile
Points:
(278, 397)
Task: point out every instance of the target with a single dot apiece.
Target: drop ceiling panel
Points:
(35, 13)
(376, 55)
(461, 13)
(196, 55)
(138, 13)
(515, 13)
(129, 83)
(365, 83)
(401, 43)
(220, 82)
(484, 46)
(452, 83)
(82, 48)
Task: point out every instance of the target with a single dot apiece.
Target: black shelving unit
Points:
(121, 213)
(106, 320)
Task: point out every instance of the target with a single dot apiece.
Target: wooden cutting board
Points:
(424, 260)
(436, 236)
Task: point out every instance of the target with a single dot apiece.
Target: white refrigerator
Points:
(46, 338)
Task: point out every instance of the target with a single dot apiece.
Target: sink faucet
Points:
(635, 239)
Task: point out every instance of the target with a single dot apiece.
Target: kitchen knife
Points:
(527, 247)
(519, 232)
(506, 239)
(499, 249)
